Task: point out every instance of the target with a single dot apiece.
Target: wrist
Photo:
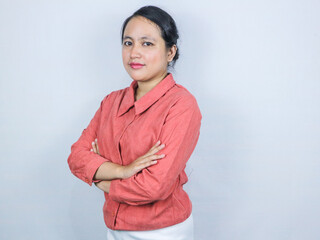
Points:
(120, 171)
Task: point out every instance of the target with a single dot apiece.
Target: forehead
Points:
(138, 26)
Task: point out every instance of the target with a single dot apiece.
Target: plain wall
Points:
(254, 67)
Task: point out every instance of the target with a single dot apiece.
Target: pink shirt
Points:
(126, 129)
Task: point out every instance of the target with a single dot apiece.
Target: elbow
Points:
(71, 164)
(74, 159)
(69, 161)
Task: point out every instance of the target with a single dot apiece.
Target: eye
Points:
(147, 43)
(127, 43)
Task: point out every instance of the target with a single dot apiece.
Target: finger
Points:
(155, 145)
(151, 158)
(97, 146)
(141, 166)
(157, 156)
(154, 150)
(94, 147)
(148, 164)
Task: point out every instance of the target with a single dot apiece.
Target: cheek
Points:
(124, 54)
(125, 58)
(155, 56)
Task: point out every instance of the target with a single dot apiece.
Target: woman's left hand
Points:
(103, 185)
(95, 147)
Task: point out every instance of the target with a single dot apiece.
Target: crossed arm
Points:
(90, 166)
(180, 133)
(109, 171)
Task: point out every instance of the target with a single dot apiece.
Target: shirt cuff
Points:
(92, 169)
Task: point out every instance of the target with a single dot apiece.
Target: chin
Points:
(137, 76)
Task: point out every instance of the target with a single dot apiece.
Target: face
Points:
(144, 53)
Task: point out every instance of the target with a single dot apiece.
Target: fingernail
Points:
(162, 145)
(162, 155)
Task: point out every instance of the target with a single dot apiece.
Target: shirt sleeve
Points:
(180, 134)
(82, 162)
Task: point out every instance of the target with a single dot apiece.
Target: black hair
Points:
(166, 23)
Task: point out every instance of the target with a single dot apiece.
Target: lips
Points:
(136, 65)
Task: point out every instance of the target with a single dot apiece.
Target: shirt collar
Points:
(146, 100)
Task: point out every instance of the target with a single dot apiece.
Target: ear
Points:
(171, 53)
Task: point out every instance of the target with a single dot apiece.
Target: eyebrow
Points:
(144, 37)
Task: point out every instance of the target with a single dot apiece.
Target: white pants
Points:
(180, 231)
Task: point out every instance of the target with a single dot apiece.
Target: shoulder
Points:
(182, 100)
(182, 96)
(114, 95)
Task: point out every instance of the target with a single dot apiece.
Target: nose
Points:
(135, 51)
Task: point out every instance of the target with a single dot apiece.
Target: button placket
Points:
(124, 130)
(116, 211)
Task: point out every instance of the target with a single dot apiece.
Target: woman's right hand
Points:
(148, 159)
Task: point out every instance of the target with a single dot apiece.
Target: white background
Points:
(254, 67)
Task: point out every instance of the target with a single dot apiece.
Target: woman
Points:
(121, 151)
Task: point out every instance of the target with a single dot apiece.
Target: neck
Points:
(145, 86)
